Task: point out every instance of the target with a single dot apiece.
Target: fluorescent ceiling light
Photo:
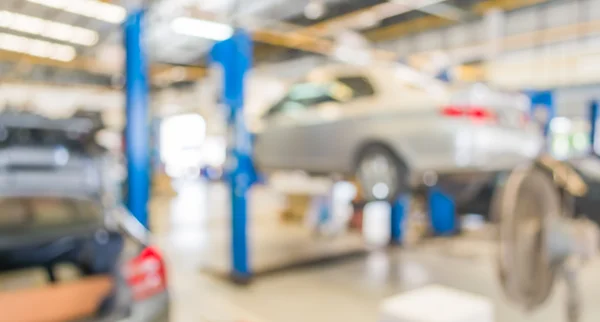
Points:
(48, 29)
(201, 28)
(90, 8)
(38, 48)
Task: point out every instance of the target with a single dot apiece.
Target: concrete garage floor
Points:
(191, 227)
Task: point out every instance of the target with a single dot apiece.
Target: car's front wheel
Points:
(380, 174)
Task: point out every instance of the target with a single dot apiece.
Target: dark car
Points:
(68, 250)
(49, 233)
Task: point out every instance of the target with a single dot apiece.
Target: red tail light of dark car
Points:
(146, 274)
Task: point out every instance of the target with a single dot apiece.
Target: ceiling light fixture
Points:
(37, 48)
(48, 29)
(315, 9)
(201, 28)
(90, 8)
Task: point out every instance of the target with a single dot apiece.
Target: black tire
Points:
(395, 187)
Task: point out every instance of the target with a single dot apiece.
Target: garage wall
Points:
(552, 14)
(574, 101)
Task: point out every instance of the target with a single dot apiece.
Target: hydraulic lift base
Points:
(281, 247)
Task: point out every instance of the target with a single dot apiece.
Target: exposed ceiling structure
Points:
(79, 42)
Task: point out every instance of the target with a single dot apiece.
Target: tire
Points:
(380, 174)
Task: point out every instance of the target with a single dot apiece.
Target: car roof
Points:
(388, 78)
(25, 120)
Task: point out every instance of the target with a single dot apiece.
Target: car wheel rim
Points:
(378, 175)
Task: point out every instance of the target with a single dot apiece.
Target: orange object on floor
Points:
(356, 222)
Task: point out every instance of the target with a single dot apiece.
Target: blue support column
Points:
(542, 106)
(594, 109)
(442, 211)
(137, 126)
(400, 209)
(235, 56)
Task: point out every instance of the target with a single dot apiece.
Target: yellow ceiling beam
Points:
(294, 41)
(406, 28)
(506, 5)
(90, 65)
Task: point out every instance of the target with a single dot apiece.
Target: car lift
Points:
(235, 57)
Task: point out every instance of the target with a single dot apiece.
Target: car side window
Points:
(360, 86)
(45, 212)
(302, 96)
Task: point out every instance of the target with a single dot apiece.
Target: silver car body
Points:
(328, 137)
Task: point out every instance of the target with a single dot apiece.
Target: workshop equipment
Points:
(541, 239)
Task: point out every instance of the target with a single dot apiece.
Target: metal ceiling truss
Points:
(393, 20)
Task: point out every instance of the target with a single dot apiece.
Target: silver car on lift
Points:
(370, 124)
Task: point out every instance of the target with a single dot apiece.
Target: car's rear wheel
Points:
(380, 174)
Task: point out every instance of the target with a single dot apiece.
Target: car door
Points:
(283, 142)
(334, 126)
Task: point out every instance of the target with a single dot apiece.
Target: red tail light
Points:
(476, 113)
(453, 111)
(146, 274)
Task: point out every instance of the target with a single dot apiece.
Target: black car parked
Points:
(68, 250)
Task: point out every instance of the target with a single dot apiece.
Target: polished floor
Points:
(191, 228)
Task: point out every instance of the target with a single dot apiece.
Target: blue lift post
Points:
(400, 209)
(235, 56)
(442, 209)
(137, 127)
(542, 102)
(594, 109)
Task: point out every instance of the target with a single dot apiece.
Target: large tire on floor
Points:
(380, 174)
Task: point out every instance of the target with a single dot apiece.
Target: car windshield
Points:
(39, 213)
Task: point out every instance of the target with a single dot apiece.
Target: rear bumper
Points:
(476, 150)
(154, 309)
